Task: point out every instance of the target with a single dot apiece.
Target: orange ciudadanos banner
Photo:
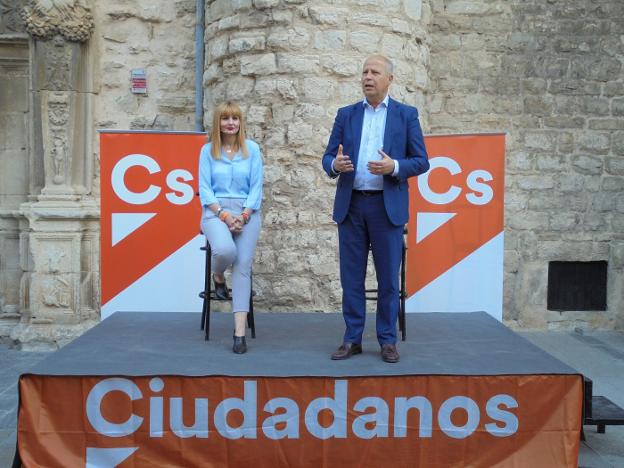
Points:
(456, 226)
(477, 421)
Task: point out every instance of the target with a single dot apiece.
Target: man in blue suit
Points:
(375, 146)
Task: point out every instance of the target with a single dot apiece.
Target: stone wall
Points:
(550, 75)
(158, 36)
(292, 64)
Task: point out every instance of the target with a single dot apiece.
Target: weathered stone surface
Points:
(564, 165)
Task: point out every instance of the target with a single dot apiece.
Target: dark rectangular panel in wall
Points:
(577, 286)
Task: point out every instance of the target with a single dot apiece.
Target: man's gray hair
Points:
(384, 59)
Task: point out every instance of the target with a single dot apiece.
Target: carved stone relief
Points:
(10, 16)
(56, 139)
(71, 19)
(56, 292)
(58, 64)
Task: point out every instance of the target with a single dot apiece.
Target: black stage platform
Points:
(296, 344)
(145, 389)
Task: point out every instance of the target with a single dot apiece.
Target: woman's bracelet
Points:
(245, 216)
(223, 215)
(219, 210)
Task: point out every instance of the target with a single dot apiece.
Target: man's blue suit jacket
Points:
(403, 141)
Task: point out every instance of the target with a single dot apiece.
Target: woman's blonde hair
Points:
(227, 109)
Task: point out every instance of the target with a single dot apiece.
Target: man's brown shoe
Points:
(389, 353)
(346, 350)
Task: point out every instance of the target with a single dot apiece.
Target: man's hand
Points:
(342, 163)
(383, 167)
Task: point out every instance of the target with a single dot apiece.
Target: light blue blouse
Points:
(236, 178)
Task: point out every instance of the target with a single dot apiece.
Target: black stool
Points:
(208, 295)
(402, 290)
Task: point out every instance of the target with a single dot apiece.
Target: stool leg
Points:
(250, 317)
(403, 293)
(208, 288)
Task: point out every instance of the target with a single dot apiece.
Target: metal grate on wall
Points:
(577, 286)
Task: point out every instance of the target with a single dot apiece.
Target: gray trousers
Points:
(236, 250)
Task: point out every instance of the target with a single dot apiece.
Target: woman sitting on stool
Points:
(230, 191)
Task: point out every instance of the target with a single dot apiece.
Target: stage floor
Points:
(295, 344)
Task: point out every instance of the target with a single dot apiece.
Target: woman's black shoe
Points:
(220, 290)
(240, 346)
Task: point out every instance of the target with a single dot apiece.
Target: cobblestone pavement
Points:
(598, 355)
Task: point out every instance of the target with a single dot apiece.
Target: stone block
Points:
(371, 19)
(392, 46)
(516, 200)
(606, 124)
(555, 203)
(286, 88)
(533, 279)
(258, 114)
(328, 15)
(520, 160)
(565, 142)
(401, 26)
(617, 107)
(239, 88)
(230, 22)
(564, 122)
(550, 163)
(240, 4)
(218, 47)
(613, 184)
(613, 88)
(570, 183)
(263, 64)
(568, 105)
(587, 164)
(219, 9)
(245, 44)
(478, 8)
(293, 63)
(318, 89)
(599, 69)
(299, 133)
(604, 201)
(595, 105)
(618, 142)
(540, 140)
(330, 40)
(592, 221)
(564, 221)
(616, 256)
(536, 86)
(365, 41)
(538, 105)
(293, 38)
(614, 166)
(387, 5)
(529, 221)
(265, 3)
(413, 9)
(594, 141)
(575, 87)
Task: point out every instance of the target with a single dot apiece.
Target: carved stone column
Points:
(62, 229)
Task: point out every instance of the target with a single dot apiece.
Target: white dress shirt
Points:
(372, 140)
